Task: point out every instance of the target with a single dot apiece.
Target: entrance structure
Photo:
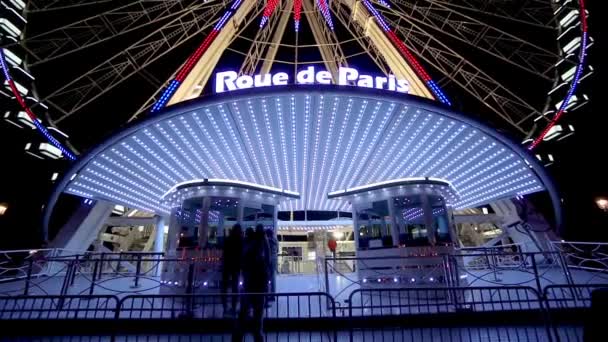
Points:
(306, 139)
(203, 211)
(403, 230)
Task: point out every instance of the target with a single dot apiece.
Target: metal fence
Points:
(394, 314)
(58, 307)
(415, 301)
(212, 306)
(106, 273)
(472, 269)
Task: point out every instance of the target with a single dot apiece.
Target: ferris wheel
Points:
(515, 62)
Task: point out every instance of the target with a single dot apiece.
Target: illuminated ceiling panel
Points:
(306, 140)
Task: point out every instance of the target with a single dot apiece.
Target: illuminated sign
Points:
(230, 80)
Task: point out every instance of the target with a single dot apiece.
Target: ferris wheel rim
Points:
(357, 54)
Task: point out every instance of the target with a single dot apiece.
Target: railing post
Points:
(26, 290)
(536, 276)
(565, 268)
(495, 263)
(447, 269)
(118, 264)
(101, 257)
(190, 278)
(137, 271)
(326, 275)
(94, 277)
(75, 266)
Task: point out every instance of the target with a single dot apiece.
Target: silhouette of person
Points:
(255, 265)
(231, 270)
(273, 245)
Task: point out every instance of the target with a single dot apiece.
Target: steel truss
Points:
(82, 34)
(480, 35)
(266, 38)
(502, 101)
(329, 44)
(54, 5)
(170, 23)
(104, 77)
(247, 19)
(524, 12)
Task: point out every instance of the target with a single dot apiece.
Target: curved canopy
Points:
(312, 140)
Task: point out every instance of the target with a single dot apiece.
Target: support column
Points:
(173, 234)
(159, 238)
(275, 220)
(240, 210)
(393, 222)
(203, 229)
(159, 241)
(428, 219)
(355, 226)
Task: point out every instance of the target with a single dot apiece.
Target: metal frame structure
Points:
(422, 26)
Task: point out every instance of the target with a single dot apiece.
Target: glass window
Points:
(440, 219)
(374, 229)
(409, 216)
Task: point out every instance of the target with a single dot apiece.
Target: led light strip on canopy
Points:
(229, 188)
(278, 138)
(398, 187)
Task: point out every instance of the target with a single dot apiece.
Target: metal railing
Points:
(58, 307)
(140, 273)
(460, 313)
(300, 305)
(536, 270)
(589, 256)
(415, 301)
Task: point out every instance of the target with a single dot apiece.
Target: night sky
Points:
(579, 170)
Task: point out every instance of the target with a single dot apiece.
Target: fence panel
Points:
(58, 307)
(283, 305)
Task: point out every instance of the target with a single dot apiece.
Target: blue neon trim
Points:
(38, 125)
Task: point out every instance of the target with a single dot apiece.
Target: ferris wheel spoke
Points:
(528, 12)
(265, 44)
(146, 106)
(498, 98)
(344, 14)
(34, 6)
(99, 28)
(329, 45)
(105, 76)
(482, 36)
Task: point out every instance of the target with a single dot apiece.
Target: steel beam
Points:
(328, 43)
(524, 12)
(469, 77)
(76, 94)
(273, 48)
(392, 56)
(99, 28)
(343, 14)
(484, 37)
(53, 5)
(262, 41)
(195, 82)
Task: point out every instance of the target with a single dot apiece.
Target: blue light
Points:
(384, 3)
(38, 125)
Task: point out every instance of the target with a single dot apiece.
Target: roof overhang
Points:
(305, 139)
(225, 188)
